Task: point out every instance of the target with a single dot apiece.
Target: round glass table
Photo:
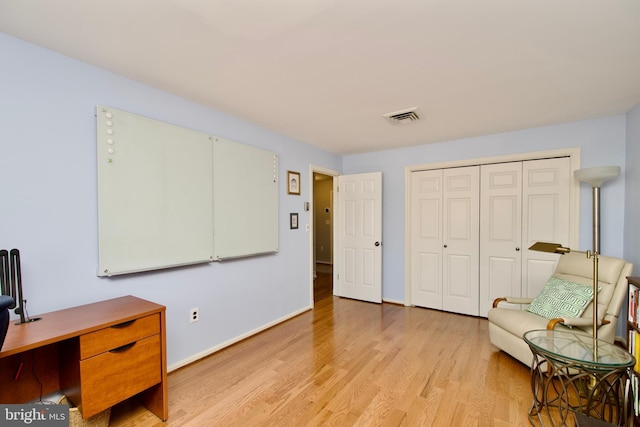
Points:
(572, 372)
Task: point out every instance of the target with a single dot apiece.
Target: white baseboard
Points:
(232, 341)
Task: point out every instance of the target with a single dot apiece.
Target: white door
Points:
(545, 216)
(461, 240)
(501, 239)
(426, 238)
(444, 242)
(358, 258)
(521, 203)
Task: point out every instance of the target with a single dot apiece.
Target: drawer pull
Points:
(123, 347)
(124, 324)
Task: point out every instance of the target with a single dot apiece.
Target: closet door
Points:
(521, 203)
(501, 232)
(545, 215)
(461, 229)
(426, 238)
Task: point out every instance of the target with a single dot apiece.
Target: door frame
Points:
(574, 233)
(312, 227)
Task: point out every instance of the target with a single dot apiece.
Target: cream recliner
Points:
(508, 325)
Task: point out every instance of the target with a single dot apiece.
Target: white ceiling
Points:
(325, 71)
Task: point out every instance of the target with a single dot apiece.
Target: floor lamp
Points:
(594, 177)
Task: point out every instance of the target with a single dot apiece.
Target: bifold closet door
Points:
(521, 203)
(444, 242)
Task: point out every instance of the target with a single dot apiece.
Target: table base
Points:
(561, 388)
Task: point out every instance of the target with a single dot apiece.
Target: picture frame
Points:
(293, 183)
(293, 221)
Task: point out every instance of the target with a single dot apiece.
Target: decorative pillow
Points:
(561, 298)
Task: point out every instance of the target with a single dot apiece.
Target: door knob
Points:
(445, 246)
(517, 249)
(377, 243)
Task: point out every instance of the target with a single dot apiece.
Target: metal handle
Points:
(445, 246)
(517, 249)
(377, 243)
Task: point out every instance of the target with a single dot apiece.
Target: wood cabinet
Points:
(98, 355)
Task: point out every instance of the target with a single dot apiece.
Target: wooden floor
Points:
(349, 363)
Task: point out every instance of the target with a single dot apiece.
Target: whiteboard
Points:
(245, 195)
(168, 196)
(155, 198)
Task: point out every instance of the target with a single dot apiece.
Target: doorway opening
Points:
(322, 236)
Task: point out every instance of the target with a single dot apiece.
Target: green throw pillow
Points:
(561, 298)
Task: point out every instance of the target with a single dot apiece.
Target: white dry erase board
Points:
(157, 207)
(245, 200)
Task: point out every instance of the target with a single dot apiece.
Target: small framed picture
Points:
(293, 183)
(293, 221)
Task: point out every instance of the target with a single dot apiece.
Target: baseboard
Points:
(232, 341)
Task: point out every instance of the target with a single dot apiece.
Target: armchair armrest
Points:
(574, 321)
(512, 300)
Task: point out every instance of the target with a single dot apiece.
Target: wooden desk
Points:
(97, 354)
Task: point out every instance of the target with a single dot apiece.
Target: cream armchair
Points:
(508, 325)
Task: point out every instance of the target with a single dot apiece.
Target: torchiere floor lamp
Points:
(594, 177)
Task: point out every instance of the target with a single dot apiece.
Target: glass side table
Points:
(576, 373)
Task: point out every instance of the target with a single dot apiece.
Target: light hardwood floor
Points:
(351, 363)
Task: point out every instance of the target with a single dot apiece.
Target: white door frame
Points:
(573, 153)
(312, 226)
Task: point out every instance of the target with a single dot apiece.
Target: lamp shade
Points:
(596, 176)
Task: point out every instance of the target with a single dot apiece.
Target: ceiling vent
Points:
(403, 117)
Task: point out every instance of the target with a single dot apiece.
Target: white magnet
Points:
(110, 150)
(108, 115)
(109, 123)
(110, 141)
(110, 131)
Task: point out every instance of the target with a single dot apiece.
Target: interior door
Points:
(501, 239)
(461, 240)
(358, 260)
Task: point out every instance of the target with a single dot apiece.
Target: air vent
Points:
(403, 117)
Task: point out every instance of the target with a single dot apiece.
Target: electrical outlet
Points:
(194, 315)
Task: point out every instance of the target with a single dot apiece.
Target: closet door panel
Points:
(500, 235)
(460, 240)
(426, 239)
(545, 216)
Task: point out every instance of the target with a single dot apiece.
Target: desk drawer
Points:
(116, 336)
(116, 375)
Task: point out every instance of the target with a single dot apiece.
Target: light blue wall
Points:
(48, 202)
(632, 197)
(602, 142)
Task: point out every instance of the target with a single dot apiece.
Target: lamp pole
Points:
(595, 177)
